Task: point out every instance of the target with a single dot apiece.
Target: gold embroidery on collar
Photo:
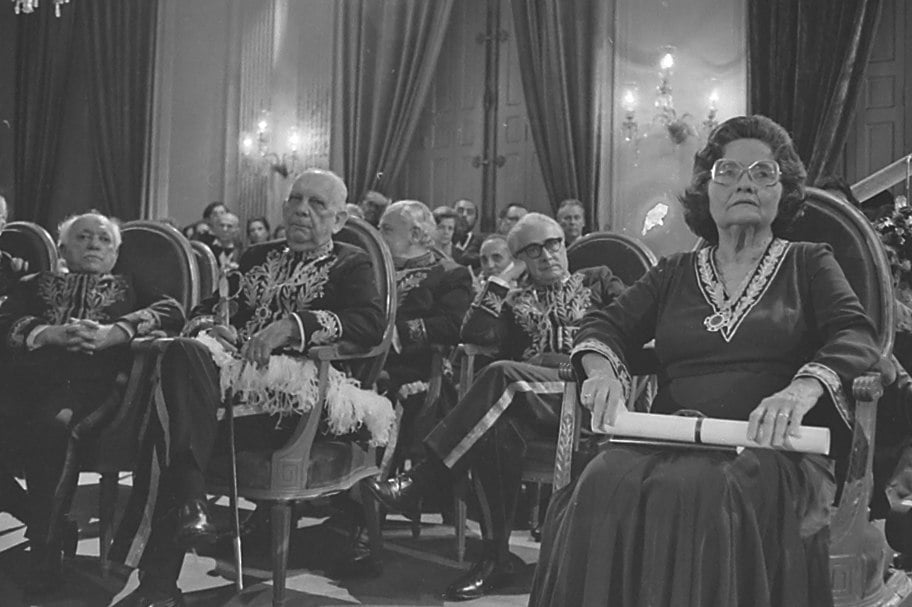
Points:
(728, 313)
(550, 316)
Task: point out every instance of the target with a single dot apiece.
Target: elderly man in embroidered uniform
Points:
(434, 294)
(285, 297)
(533, 327)
(66, 340)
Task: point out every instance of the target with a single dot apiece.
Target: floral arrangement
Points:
(895, 232)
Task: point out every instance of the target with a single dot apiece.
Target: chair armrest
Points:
(145, 351)
(343, 350)
(476, 350)
(852, 511)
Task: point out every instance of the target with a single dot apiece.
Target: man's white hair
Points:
(418, 215)
(527, 220)
(63, 228)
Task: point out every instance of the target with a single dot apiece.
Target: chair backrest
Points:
(626, 257)
(159, 259)
(857, 247)
(362, 234)
(208, 268)
(31, 242)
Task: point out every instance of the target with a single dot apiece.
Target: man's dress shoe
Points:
(485, 576)
(194, 527)
(397, 493)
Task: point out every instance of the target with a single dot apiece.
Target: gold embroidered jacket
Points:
(331, 290)
(531, 320)
(51, 298)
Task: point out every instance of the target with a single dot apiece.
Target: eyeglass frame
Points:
(746, 169)
(541, 246)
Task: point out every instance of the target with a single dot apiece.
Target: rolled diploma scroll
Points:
(706, 430)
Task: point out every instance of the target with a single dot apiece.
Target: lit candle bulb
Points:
(629, 101)
(294, 140)
(713, 100)
(667, 62)
(247, 144)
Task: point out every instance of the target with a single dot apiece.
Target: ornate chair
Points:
(31, 242)
(628, 259)
(208, 269)
(160, 260)
(855, 576)
(305, 468)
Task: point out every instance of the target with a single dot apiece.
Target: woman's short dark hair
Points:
(262, 220)
(444, 212)
(792, 173)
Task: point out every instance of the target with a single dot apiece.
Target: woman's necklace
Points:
(724, 302)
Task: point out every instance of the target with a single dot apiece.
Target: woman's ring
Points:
(782, 414)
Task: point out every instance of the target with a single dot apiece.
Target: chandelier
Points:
(29, 6)
(666, 118)
(259, 152)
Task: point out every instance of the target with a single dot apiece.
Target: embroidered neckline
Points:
(322, 251)
(412, 263)
(729, 312)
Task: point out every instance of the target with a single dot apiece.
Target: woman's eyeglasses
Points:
(764, 173)
(534, 250)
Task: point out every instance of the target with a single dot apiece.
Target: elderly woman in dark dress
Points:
(754, 328)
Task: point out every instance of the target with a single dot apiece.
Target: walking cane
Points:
(224, 319)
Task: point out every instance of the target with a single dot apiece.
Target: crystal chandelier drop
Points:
(29, 6)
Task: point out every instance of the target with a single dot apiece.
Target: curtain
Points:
(806, 64)
(557, 42)
(386, 57)
(43, 50)
(119, 40)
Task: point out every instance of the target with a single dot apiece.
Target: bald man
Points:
(532, 327)
(309, 290)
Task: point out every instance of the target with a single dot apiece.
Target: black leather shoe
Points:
(193, 525)
(536, 533)
(144, 598)
(397, 493)
(485, 576)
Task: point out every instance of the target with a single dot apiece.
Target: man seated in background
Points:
(511, 215)
(571, 215)
(434, 294)
(532, 327)
(466, 240)
(496, 259)
(211, 214)
(65, 347)
(286, 297)
(227, 246)
(372, 207)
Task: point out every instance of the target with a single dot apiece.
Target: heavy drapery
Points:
(43, 52)
(386, 56)
(557, 43)
(806, 64)
(116, 42)
(119, 42)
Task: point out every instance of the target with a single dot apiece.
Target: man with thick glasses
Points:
(514, 399)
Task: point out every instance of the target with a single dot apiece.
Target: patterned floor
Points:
(416, 569)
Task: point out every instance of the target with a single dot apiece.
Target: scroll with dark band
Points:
(705, 431)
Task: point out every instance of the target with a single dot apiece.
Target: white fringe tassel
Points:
(289, 386)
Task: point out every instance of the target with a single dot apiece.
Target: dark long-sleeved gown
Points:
(685, 527)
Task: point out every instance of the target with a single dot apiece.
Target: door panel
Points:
(439, 168)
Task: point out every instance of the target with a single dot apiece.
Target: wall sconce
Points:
(678, 129)
(256, 150)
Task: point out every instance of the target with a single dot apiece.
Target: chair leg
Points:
(107, 502)
(415, 522)
(281, 534)
(460, 515)
(372, 522)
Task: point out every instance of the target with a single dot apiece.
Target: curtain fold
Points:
(119, 39)
(806, 65)
(386, 57)
(44, 48)
(557, 42)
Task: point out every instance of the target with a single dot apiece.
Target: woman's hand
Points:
(601, 394)
(780, 415)
(225, 335)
